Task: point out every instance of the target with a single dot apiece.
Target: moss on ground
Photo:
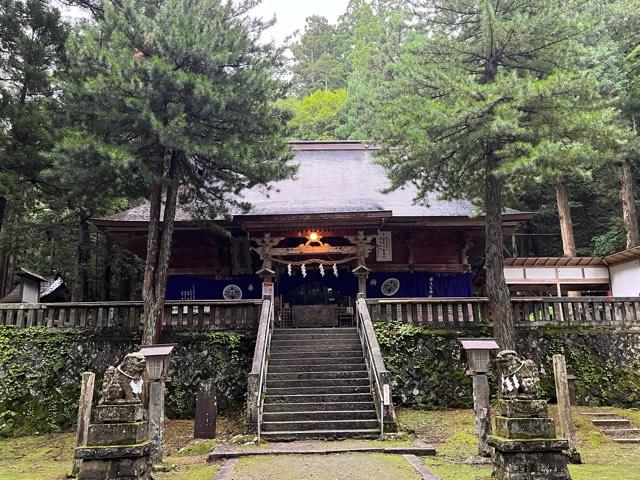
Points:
(452, 433)
(49, 457)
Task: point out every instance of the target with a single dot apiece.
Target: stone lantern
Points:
(478, 354)
(157, 358)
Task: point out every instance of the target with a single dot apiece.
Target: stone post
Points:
(156, 421)
(482, 409)
(564, 406)
(84, 414)
(206, 411)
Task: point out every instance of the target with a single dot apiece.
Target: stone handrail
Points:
(378, 373)
(257, 377)
(191, 315)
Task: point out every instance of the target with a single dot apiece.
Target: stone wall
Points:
(40, 371)
(428, 371)
(40, 368)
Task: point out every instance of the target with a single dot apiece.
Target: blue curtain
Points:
(186, 287)
(419, 284)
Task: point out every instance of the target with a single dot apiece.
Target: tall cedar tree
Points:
(187, 91)
(32, 38)
(469, 104)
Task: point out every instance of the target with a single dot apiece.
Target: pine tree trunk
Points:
(629, 215)
(107, 273)
(4, 254)
(566, 225)
(80, 282)
(497, 289)
(158, 253)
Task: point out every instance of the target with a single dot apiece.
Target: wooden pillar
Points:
(564, 405)
(84, 414)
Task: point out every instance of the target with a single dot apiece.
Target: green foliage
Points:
(319, 57)
(184, 89)
(318, 116)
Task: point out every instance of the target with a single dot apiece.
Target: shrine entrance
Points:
(314, 301)
(317, 276)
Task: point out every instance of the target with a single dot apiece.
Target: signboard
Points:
(267, 289)
(383, 247)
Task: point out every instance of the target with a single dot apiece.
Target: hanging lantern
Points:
(289, 270)
(321, 270)
(335, 269)
(303, 269)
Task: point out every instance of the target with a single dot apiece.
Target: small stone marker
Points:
(206, 411)
(564, 405)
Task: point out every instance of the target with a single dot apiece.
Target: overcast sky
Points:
(290, 14)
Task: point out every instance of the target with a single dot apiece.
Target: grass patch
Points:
(36, 457)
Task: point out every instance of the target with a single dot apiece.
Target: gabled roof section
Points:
(333, 177)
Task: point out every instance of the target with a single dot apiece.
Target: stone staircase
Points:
(318, 387)
(620, 429)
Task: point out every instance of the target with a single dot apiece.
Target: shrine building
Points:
(322, 238)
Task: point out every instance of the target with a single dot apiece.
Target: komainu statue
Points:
(518, 378)
(123, 384)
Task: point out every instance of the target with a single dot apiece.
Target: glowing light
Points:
(314, 237)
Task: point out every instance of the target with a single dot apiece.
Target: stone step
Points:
(611, 422)
(600, 414)
(326, 390)
(295, 348)
(318, 382)
(317, 398)
(304, 342)
(319, 415)
(287, 436)
(318, 406)
(314, 368)
(621, 432)
(356, 359)
(314, 336)
(317, 375)
(275, 355)
(315, 330)
(630, 441)
(319, 425)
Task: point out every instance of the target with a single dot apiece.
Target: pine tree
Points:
(479, 97)
(186, 90)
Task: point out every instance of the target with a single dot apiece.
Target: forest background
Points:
(339, 77)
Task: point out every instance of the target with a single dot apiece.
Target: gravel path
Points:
(352, 466)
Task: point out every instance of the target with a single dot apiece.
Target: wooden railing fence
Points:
(616, 312)
(190, 315)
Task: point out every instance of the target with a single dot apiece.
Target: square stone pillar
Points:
(525, 443)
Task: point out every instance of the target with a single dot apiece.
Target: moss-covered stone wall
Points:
(40, 372)
(428, 371)
(40, 369)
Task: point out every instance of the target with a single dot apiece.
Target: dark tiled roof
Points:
(333, 177)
